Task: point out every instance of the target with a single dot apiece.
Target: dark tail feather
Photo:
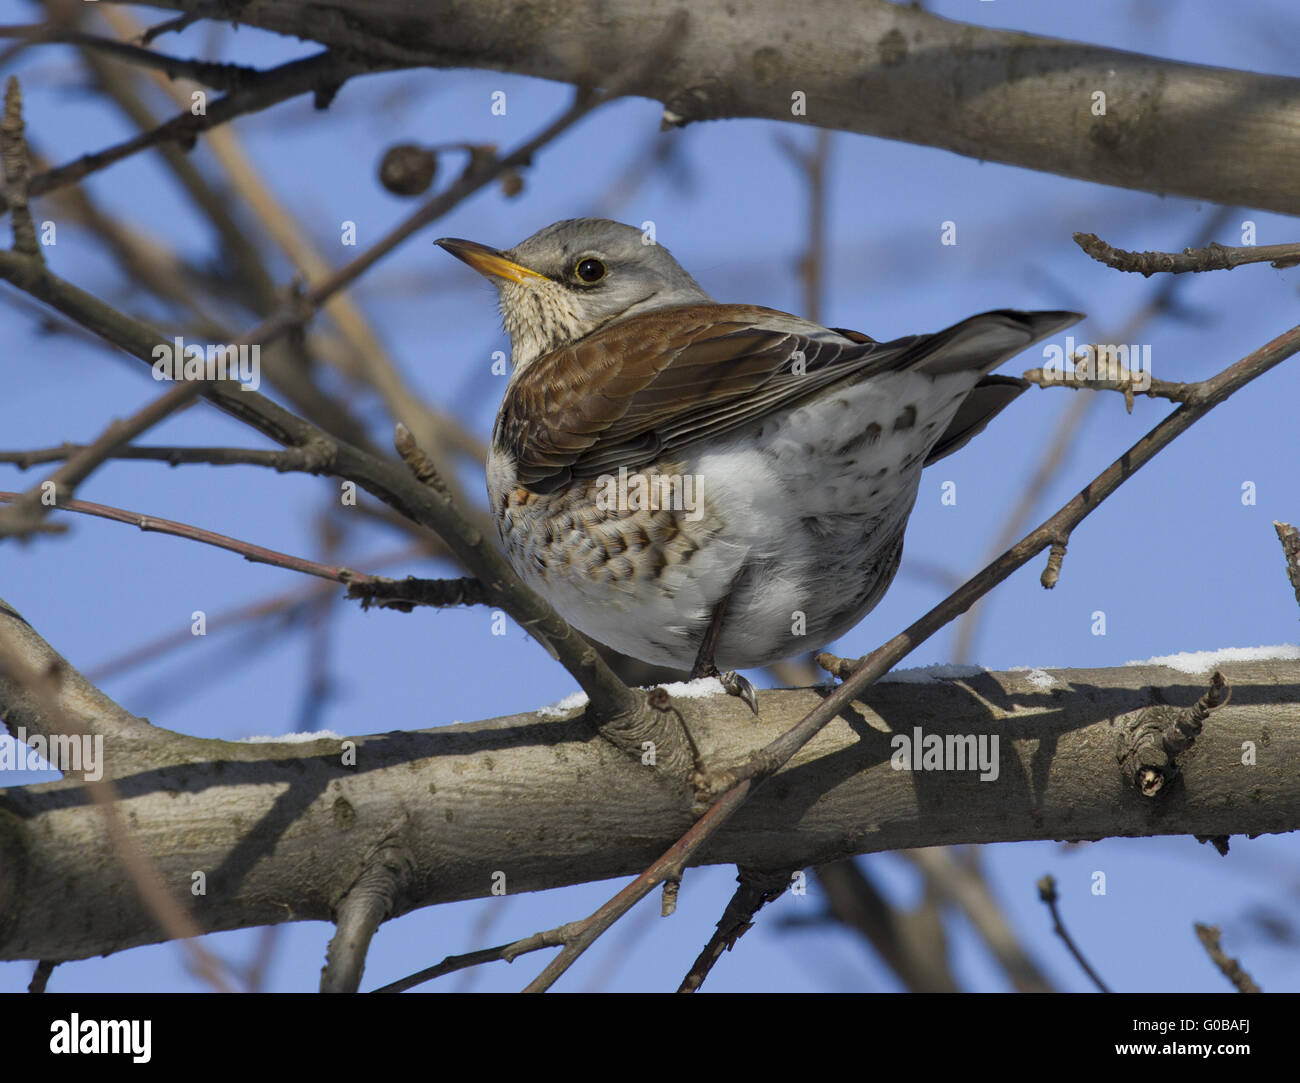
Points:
(983, 342)
(985, 401)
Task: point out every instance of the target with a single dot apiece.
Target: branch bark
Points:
(284, 831)
(873, 67)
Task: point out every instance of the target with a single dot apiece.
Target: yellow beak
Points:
(487, 261)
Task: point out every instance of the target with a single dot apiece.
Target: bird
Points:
(708, 486)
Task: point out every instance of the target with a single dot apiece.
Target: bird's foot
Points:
(739, 686)
(733, 683)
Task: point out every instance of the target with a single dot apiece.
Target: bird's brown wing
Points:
(645, 386)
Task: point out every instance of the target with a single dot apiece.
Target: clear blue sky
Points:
(1175, 560)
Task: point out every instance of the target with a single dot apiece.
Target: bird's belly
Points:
(637, 566)
(797, 522)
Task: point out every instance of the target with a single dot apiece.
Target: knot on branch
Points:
(316, 456)
(363, 907)
(654, 734)
(1150, 746)
(1052, 573)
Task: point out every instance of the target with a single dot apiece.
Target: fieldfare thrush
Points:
(703, 485)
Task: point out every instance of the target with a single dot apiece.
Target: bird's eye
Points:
(590, 270)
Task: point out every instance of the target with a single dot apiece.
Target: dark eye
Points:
(590, 270)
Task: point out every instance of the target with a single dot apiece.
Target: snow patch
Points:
(567, 704)
(1041, 680)
(1204, 662)
(696, 689)
(293, 738)
(940, 671)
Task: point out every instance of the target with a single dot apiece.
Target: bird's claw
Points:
(739, 686)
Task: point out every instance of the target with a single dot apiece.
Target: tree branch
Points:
(1215, 257)
(319, 806)
(873, 67)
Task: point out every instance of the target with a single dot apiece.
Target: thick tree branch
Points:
(874, 67)
(85, 707)
(283, 830)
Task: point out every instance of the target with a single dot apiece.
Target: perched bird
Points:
(703, 485)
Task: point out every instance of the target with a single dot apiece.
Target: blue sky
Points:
(1174, 559)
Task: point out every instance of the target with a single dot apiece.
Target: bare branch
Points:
(321, 74)
(1231, 969)
(1107, 115)
(1047, 893)
(1049, 465)
(218, 76)
(755, 889)
(405, 594)
(1216, 257)
(255, 554)
(1289, 536)
(367, 903)
(15, 163)
(303, 804)
(284, 460)
(1125, 384)
(550, 938)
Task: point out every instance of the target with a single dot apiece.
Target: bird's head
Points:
(570, 278)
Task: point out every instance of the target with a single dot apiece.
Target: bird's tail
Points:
(981, 343)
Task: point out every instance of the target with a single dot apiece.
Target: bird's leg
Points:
(733, 682)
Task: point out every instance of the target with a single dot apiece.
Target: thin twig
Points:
(216, 75)
(1214, 257)
(255, 554)
(405, 594)
(1289, 536)
(754, 890)
(41, 975)
(1124, 384)
(1229, 967)
(551, 938)
(282, 460)
(1047, 893)
(15, 162)
(1049, 464)
(322, 73)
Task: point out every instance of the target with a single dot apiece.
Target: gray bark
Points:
(866, 66)
(285, 831)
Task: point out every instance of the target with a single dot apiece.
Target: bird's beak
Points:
(487, 261)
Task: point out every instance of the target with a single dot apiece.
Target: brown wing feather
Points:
(649, 384)
(653, 382)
